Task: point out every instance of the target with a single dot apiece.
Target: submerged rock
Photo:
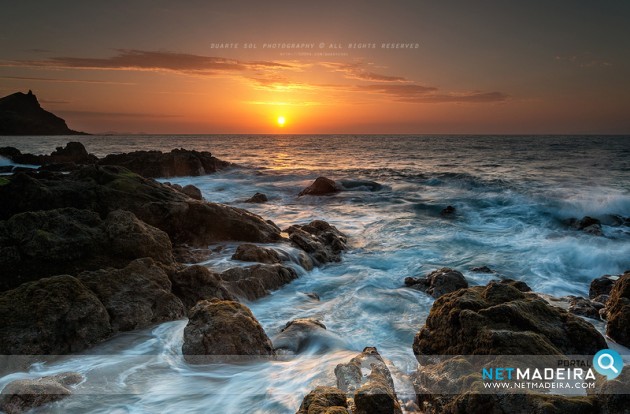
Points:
(251, 253)
(447, 211)
(321, 186)
(298, 334)
(324, 400)
(66, 241)
(618, 311)
(23, 395)
(226, 330)
(103, 189)
(588, 225)
(257, 198)
(321, 241)
(51, 316)
(482, 269)
(253, 282)
(439, 282)
(177, 163)
(136, 296)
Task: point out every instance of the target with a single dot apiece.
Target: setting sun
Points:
(281, 121)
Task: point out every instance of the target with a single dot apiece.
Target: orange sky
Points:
(155, 67)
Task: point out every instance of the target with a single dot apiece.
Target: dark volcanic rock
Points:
(107, 188)
(298, 334)
(136, 296)
(602, 286)
(439, 282)
(177, 163)
(584, 307)
(447, 211)
(21, 114)
(374, 393)
(23, 395)
(194, 283)
(66, 241)
(320, 186)
(588, 225)
(51, 316)
(518, 284)
(482, 269)
(224, 329)
(257, 198)
(618, 311)
(324, 400)
(321, 241)
(62, 159)
(253, 282)
(252, 253)
(498, 319)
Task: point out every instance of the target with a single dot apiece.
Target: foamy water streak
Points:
(511, 195)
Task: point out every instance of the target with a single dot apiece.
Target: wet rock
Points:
(321, 241)
(602, 286)
(360, 185)
(518, 284)
(298, 334)
(66, 241)
(252, 253)
(51, 316)
(103, 189)
(192, 192)
(448, 211)
(588, 225)
(482, 269)
(177, 163)
(438, 282)
(584, 307)
(191, 255)
(253, 282)
(618, 311)
(23, 395)
(321, 186)
(72, 154)
(374, 393)
(324, 400)
(195, 283)
(136, 296)
(498, 319)
(612, 396)
(224, 329)
(312, 295)
(257, 198)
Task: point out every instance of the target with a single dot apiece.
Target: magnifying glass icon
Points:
(609, 365)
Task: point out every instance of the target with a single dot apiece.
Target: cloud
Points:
(90, 114)
(413, 93)
(129, 59)
(356, 71)
(585, 60)
(64, 80)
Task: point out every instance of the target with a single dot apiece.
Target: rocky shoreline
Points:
(92, 247)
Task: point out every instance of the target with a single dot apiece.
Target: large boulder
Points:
(618, 311)
(321, 241)
(23, 395)
(602, 286)
(298, 335)
(253, 282)
(321, 186)
(51, 316)
(104, 189)
(226, 330)
(439, 282)
(66, 241)
(373, 393)
(257, 198)
(194, 283)
(499, 319)
(136, 296)
(177, 163)
(324, 400)
(251, 253)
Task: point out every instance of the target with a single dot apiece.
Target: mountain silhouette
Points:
(21, 114)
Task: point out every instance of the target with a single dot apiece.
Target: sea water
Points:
(512, 195)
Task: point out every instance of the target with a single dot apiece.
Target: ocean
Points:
(512, 195)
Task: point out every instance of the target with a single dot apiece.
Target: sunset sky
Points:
(460, 67)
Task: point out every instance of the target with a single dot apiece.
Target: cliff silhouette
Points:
(21, 114)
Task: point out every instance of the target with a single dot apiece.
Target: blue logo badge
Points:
(608, 362)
